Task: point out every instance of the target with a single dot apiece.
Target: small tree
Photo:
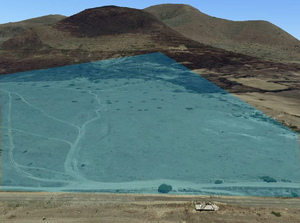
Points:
(268, 179)
(218, 182)
(164, 188)
(277, 214)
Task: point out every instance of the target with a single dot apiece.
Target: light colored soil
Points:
(259, 83)
(282, 106)
(84, 208)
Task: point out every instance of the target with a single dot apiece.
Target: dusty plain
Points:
(128, 208)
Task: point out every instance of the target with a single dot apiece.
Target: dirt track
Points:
(84, 207)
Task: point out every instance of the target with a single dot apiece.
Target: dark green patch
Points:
(218, 181)
(277, 214)
(268, 179)
(164, 188)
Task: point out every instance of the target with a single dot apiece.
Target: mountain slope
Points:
(9, 30)
(256, 38)
(100, 29)
(92, 34)
(109, 32)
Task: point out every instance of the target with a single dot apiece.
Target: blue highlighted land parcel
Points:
(130, 124)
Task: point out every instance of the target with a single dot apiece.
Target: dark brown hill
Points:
(256, 38)
(9, 30)
(110, 20)
(107, 28)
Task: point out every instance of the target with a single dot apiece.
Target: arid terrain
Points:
(265, 80)
(256, 38)
(127, 208)
(12, 29)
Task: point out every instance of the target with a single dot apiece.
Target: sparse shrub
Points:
(164, 188)
(268, 179)
(218, 182)
(277, 214)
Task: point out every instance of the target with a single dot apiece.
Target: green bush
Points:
(294, 194)
(268, 179)
(218, 182)
(277, 214)
(164, 188)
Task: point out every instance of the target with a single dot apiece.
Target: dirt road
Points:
(88, 207)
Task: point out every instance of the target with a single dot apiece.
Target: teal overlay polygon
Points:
(128, 125)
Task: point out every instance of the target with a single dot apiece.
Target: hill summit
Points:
(110, 20)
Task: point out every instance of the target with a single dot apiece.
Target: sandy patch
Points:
(259, 83)
(273, 101)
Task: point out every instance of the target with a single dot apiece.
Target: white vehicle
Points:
(206, 206)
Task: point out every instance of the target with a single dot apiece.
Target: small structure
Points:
(206, 206)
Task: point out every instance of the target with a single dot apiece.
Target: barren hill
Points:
(110, 31)
(111, 20)
(9, 30)
(256, 38)
(101, 33)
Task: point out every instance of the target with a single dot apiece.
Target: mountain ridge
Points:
(257, 38)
